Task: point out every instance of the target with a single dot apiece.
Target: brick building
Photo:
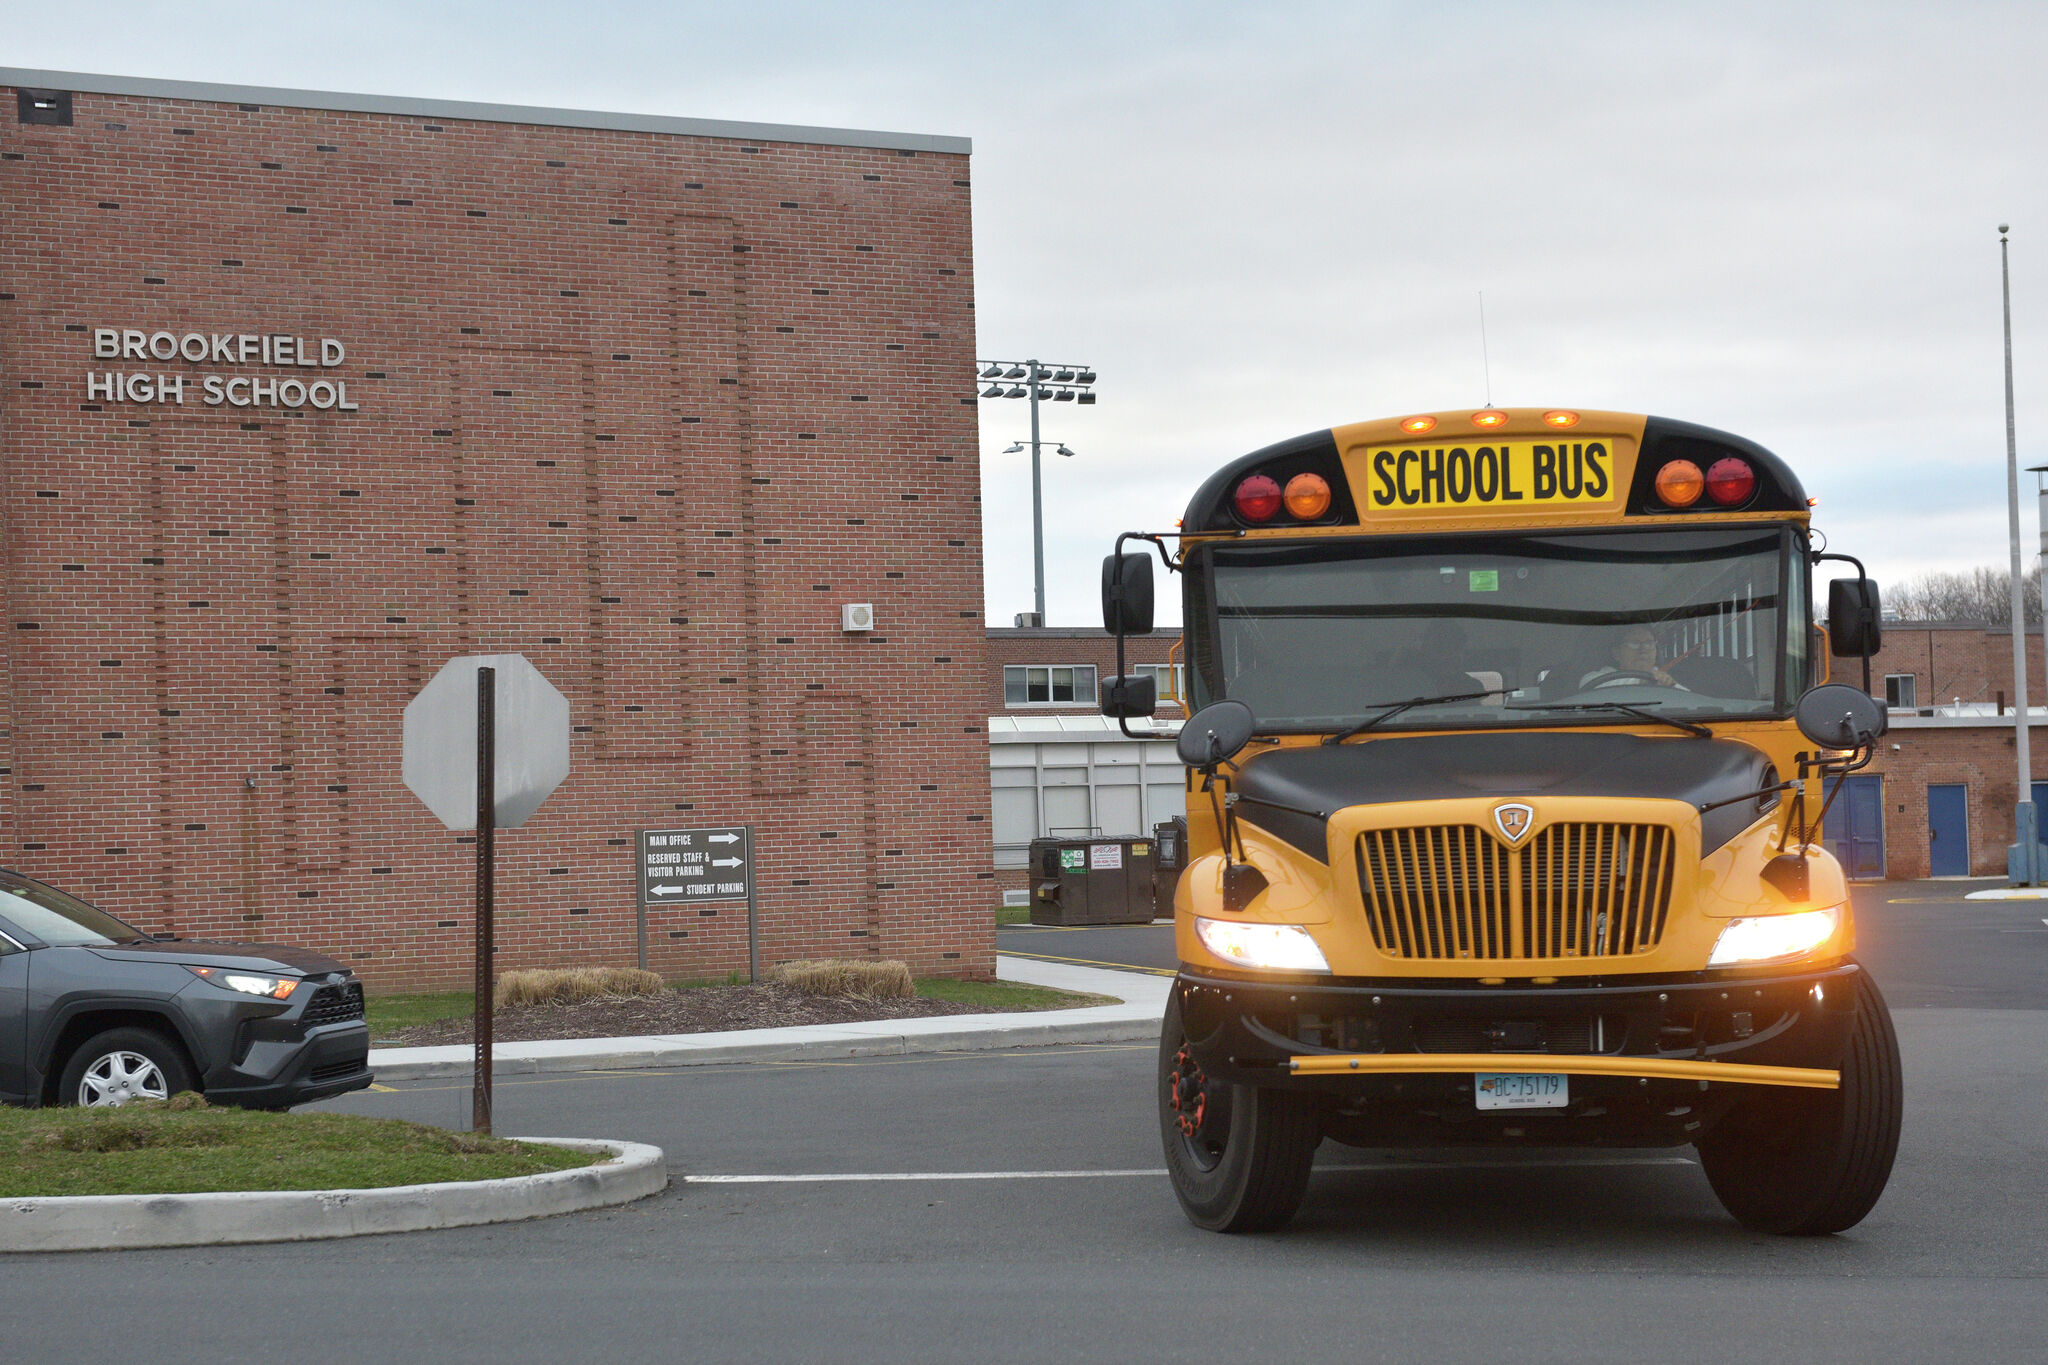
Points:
(1935, 663)
(1056, 766)
(305, 394)
(1038, 669)
(1939, 797)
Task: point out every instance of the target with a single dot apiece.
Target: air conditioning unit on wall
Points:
(857, 616)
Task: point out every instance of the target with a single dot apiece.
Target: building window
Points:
(1169, 679)
(1899, 691)
(1049, 685)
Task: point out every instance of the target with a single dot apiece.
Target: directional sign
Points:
(532, 744)
(681, 866)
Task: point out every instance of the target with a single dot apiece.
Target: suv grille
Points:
(1575, 890)
(335, 1004)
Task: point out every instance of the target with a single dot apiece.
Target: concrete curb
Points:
(1142, 998)
(119, 1221)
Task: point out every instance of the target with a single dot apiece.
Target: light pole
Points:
(2023, 859)
(1055, 384)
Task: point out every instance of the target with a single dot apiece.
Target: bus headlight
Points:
(1771, 938)
(1274, 947)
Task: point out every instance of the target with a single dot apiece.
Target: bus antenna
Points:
(1485, 361)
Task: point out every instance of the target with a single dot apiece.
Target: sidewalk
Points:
(1135, 1019)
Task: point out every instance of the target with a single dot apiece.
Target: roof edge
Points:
(407, 107)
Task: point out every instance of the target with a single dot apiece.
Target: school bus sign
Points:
(1498, 476)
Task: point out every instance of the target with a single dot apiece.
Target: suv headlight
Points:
(1275, 947)
(1773, 938)
(248, 983)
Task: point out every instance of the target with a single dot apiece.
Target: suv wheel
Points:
(120, 1065)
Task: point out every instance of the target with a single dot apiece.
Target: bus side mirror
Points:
(1127, 595)
(1838, 716)
(1214, 734)
(1855, 622)
(1130, 695)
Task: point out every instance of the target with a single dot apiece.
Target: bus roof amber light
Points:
(1490, 418)
(1416, 426)
(1257, 498)
(1730, 481)
(1307, 497)
(1560, 419)
(1680, 483)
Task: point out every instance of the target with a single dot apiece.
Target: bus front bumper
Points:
(1779, 1030)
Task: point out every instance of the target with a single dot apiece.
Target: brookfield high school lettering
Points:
(1510, 472)
(215, 390)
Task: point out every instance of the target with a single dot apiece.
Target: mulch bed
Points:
(700, 1009)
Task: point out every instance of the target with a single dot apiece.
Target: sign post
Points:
(486, 851)
(683, 866)
(485, 743)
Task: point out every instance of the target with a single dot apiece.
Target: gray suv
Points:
(94, 1011)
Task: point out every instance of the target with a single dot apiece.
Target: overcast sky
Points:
(1256, 220)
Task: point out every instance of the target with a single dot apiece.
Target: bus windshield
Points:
(1546, 629)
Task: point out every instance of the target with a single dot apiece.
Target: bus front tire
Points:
(1804, 1163)
(1238, 1155)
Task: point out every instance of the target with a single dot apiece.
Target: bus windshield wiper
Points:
(1395, 708)
(1639, 709)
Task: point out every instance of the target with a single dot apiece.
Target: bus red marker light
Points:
(1730, 481)
(1560, 419)
(1680, 483)
(1258, 498)
(1416, 426)
(1489, 419)
(1307, 497)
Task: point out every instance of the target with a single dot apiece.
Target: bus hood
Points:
(1291, 793)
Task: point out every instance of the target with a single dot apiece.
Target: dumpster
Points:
(1171, 839)
(1091, 880)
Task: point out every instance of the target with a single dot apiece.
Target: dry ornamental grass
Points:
(554, 984)
(888, 980)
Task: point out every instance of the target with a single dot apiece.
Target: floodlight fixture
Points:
(1041, 383)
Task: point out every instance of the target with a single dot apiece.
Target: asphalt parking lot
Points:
(1009, 1206)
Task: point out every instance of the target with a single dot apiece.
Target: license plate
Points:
(1497, 1090)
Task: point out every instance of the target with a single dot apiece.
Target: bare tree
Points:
(1981, 594)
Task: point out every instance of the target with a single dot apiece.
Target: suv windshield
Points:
(1549, 629)
(57, 919)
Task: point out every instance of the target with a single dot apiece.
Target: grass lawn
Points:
(180, 1146)
(1006, 995)
(389, 1013)
(1013, 914)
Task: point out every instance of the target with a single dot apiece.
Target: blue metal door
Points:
(2040, 799)
(1948, 829)
(1855, 826)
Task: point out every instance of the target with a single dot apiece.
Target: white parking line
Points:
(837, 1178)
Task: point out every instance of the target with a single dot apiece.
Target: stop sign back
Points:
(532, 741)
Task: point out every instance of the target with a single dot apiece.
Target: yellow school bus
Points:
(1505, 773)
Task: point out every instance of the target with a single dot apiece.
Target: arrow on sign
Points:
(724, 839)
(665, 891)
(728, 862)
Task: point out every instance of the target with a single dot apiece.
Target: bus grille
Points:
(1574, 890)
